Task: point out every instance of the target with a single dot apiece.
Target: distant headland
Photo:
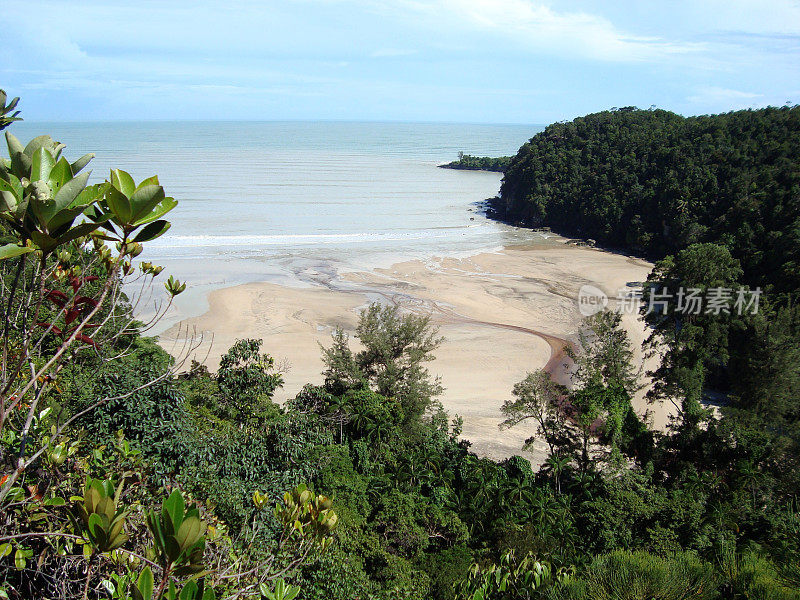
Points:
(467, 162)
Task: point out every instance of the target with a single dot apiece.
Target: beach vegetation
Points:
(392, 362)
(98, 496)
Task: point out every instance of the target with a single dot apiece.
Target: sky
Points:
(476, 61)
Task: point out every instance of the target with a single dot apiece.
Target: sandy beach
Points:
(502, 314)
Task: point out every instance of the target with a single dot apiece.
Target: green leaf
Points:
(60, 174)
(71, 190)
(119, 205)
(201, 573)
(14, 145)
(20, 559)
(64, 218)
(8, 202)
(95, 524)
(79, 164)
(44, 241)
(120, 486)
(291, 592)
(20, 162)
(144, 200)
(189, 590)
(13, 186)
(166, 205)
(145, 583)
(152, 231)
(189, 532)
(173, 509)
(96, 489)
(171, 549)
(123, 182)
(106, 509)
(41, 141)
(76, 232)
(172, 592)
(48, 209)
(149, 181)
(56, 501)
(5, 549)
(117, 541)
(89, 195)
(208, 594)
(115, 535)
(42, 162)
(96, 214)
(12, 250)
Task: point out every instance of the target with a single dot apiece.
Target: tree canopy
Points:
(655, 182)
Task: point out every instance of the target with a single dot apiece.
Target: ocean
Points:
(296, 202)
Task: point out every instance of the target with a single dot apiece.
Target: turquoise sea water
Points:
(294, 201)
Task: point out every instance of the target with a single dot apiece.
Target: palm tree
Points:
(557, 463)
(749, 476)
(543, 510)
(338, 413)
(518, 490)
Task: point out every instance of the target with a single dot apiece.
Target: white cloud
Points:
(537, 26)
(687, 55)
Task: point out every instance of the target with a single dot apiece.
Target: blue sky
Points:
(483, 61)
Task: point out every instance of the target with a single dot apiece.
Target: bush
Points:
(754, 577)
(624, 575)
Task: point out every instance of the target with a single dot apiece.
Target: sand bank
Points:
(502, 314)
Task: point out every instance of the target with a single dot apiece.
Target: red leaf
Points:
(56, 297)
(71, 315)
(85, 300)
(77, 282)
(54, 329)
(85, 339)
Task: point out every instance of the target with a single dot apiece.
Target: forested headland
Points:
(129, 474)
(654, 182)
(467, 162)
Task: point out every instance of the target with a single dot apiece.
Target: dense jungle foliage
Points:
(127, 477)
(655, 182)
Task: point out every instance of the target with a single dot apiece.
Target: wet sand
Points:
(502, 314)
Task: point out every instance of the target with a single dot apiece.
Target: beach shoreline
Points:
(502, 314)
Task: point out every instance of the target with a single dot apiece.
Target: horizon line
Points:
(309, 120)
